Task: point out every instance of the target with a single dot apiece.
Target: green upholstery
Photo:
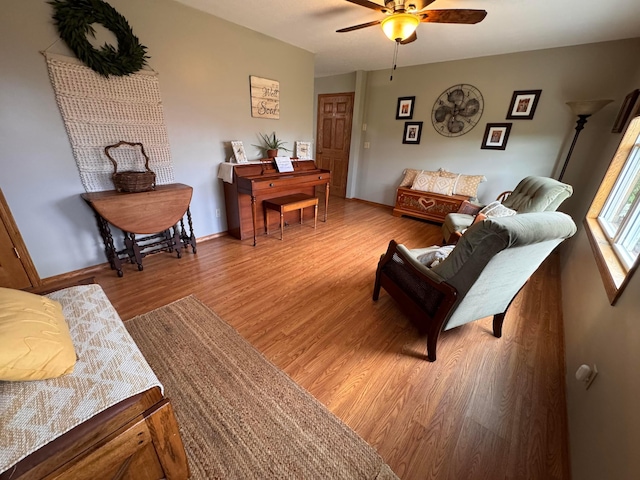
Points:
(481, 276)
(532, 194)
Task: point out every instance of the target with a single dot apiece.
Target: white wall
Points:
(534, 147)
(204, 64)
(604, 421)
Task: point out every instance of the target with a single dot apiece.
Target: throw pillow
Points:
(468, 185)
(432, 256)
(410, 176)
(35, 343)
(428, 182)
(496, 209)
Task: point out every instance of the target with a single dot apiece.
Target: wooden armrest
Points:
(502, 197)
(469, 208)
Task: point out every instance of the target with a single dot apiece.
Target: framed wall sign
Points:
(523, 104)
(496, 136)
(412, 132)
(238, 151)
(405, 108)
(265, 98)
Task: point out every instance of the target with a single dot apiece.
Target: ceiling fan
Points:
(404, 16)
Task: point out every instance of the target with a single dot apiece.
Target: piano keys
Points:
(255, 182)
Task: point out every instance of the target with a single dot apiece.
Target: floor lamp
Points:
(583, 110)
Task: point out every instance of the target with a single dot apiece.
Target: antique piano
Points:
(255, 182)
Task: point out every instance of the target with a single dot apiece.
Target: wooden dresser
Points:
(426, 205)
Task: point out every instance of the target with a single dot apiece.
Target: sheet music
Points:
(283, 164)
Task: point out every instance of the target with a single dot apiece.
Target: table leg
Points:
(109, 247)
(326, 201)
(315, 215)
(301, 215)
(281, 224)
(253, 214)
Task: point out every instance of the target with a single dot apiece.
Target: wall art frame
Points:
(523, 104)
(412, 133)
(496, 136)
(303, 150)
(265, 97)
(625, 111)
(238, 151)
(404, 110)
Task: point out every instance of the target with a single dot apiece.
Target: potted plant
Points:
(271, 145)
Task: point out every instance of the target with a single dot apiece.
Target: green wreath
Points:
(74, 19)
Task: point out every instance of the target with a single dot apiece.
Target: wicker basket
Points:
(130, 181)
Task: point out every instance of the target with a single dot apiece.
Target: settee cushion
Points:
(434, 183)
(35, 343)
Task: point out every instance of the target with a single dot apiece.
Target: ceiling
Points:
(510, 26)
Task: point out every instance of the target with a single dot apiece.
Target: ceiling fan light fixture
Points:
(400, 26)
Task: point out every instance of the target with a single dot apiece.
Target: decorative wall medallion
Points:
(457, 110)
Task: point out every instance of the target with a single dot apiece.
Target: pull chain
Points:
(395, 60)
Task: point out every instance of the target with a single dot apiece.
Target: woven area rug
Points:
(241, 417)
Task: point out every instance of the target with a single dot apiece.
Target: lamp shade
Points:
(587, 107)
(400, 26)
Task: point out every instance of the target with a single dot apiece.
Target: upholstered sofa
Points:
(532, 194)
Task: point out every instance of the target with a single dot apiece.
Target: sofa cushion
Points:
(35, 343)
(434, 183)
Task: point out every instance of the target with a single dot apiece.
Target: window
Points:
(613, 221)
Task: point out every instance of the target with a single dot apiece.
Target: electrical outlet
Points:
(217, 213)
(364, 127)
(367, 145)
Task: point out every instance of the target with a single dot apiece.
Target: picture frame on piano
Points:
(238, 151)
(303, 150)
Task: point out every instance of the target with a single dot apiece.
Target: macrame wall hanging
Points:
(111, 99)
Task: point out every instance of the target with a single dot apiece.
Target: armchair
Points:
(532, 194)
(479, 278)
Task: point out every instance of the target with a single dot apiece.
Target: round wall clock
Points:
(457, 110)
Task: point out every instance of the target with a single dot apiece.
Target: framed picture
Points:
(412, 132)
(625, 111)
(523, 104)
(303, 150)
(405, 108)
(496, 136)
(238, 152)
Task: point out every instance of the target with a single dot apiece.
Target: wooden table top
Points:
(143, 212)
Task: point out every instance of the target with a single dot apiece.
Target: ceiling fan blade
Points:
(358, 27)
(425, 3)
(454, 16)
(412, 38)
(368, 4)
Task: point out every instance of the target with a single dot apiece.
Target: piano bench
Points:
(296, 201)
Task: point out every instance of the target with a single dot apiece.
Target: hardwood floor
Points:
(487, 408)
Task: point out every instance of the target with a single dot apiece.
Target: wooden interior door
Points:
(335, 114)
(16, 268)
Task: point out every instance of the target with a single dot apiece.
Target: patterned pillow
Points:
(468, 185)
(434, 183)
(410, 176)
(496, 209)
